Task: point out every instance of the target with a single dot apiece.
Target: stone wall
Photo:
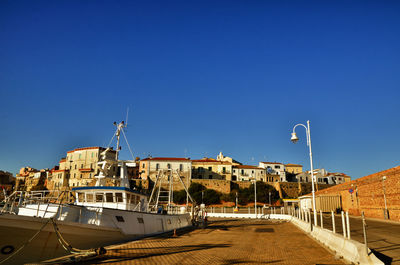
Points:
(294, 190)
(368, 194)
(223, 186)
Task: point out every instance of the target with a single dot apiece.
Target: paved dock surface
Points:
(383, 237)
(224, 242)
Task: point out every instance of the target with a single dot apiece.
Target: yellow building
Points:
(79, 167)
(294, 168)
(208, 168)
(149, 167)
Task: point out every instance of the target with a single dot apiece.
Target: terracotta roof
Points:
(85, 169)
(272, 163)
(211, 161)
(86, 148)
(166, 159)
(248, 167)
(294, 165)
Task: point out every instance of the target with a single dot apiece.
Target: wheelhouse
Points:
(110, 197)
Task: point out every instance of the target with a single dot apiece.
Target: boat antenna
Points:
(120, 126)
(127, 112)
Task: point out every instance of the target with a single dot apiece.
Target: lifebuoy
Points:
(7, 250)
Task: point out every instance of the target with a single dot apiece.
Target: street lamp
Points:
(384, 197)
(295, 139)
(255, 194)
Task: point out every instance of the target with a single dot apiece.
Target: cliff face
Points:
(6, 178)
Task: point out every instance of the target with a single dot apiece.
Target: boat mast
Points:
(120, 126)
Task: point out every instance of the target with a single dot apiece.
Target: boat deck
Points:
(224, 242)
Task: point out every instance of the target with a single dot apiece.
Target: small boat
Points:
(35, 227)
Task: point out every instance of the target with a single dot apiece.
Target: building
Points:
(23, 178)
(274, 168)
(151, 166)
(322, 176)
(208, 168)
(293, 168)
(223, 158)
(7, 181)
(246, 173)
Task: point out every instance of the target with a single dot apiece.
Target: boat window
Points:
(81, 197)
(109, 197)
(120, 218)
(133, 199)
(118, 197)
(99, 197)
(140, 220)
(89, 197)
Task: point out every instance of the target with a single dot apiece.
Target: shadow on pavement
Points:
(385, 259)
(123, 254)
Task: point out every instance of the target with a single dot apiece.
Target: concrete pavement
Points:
(225, 242)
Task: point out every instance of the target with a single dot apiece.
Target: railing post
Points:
(364, 230)
(343, 225)
(333, 222)
(322, 221)
(348, 225)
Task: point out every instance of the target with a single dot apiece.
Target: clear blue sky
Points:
(201, 77)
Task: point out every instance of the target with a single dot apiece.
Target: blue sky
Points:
(200, 77)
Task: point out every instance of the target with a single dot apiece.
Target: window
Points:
(169, 166)
(242, 172)
(223, 169)
(75, 166)
(74, 175)
(109, 197)
(92, 155)
(252, 172)
(81, 196)
(209, 176)
(81, 175)
(118, 197)
(89, 197)
(143, 165)
(234, 171)
(277, 166)
(81, 165)
(180, 167)
(140, 220)
(157, 166)
(120, 218)
(209, 168)
(99, 197)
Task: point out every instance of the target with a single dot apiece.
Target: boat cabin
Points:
(110, 197)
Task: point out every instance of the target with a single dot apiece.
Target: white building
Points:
(149, 167)
(274, 168)
(245, 173)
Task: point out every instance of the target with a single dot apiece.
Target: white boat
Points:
(33, 231)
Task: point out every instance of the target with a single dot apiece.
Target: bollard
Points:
(333, 223)
(343, 225)
(322, 221)
(348, 225)
(364, 230)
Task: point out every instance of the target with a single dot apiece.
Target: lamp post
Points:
(384, 197)
(294, 139)
(255, 194)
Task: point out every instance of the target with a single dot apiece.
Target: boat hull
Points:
(17, 230)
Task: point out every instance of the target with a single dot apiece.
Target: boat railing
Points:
(32, 200)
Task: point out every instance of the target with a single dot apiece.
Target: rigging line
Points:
(126, 140)
(111, 140)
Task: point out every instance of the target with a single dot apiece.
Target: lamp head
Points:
(294, 138)
(384, 178)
